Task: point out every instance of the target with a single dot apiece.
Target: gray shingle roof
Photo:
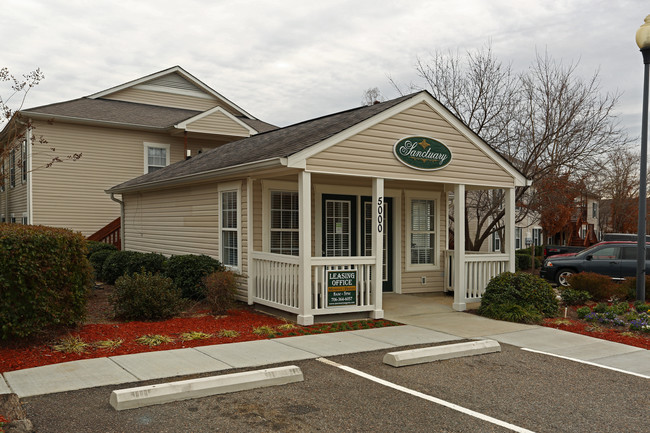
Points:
(279, 143)
(106, 110)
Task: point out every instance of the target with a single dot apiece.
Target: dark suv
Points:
(615, 259)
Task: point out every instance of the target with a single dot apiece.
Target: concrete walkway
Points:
(428, 319)
(434, 312)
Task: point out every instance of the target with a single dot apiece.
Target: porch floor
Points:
(433, 311)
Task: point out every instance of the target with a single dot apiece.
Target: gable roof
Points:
(158, 79)
(293, 144)
(115, 112)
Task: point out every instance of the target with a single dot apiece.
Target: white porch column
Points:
(510, 228)
(249, 240)
(305, 317)
(378, 220)
(459, 248)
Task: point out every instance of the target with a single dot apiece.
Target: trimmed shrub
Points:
(120, 263)
(188, 272)
(220, 290)
(533, 295)
(97, 260)
(583, 311)
(630, 285)
(571, 296)
(522, 262)
(600, 287)
(94, 246)
(145, 296)
(44, 278)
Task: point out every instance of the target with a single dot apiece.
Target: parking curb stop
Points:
(141, 396)
(438, 353)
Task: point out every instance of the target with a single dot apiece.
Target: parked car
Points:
(615, 259)
(553, 250)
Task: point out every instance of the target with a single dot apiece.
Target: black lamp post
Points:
(643, 41)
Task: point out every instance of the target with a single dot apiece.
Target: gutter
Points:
(121, 220)
(241, 168)
(84, 121)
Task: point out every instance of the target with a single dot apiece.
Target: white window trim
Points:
(12, 168)
(158, 146)
(496, 240)
(25, 219)
(12, 220)
(420, 195)
(267, 187)
(229, 187)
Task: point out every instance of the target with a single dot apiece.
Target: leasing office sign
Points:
(341, 288)
(422, 153)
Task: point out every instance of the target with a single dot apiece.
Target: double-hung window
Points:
(156, 156)
(422, 228)
(12, 168)
(518, 238)
(496, 242)
(230, 223)
(23, 162)
(284, 223)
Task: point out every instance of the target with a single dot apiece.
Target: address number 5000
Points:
(380, 214)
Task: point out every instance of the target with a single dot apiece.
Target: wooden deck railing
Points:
(109, 234)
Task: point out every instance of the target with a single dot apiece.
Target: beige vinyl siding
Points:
(370, 153)
(164, 99)
(173, 221)
(218, 123)
(412, 280)
(71, 193)
(183, 220)
(13, 200)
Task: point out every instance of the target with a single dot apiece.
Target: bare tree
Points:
(618, 185)
(15, 127)
(372, 96)
(546, 121)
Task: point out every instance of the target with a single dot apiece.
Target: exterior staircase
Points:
(109, 234)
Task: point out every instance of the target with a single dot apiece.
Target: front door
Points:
(339, 225)
(366, 238)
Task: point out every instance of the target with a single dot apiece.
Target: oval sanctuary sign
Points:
(422, 153)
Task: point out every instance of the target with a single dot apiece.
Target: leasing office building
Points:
(311, 214)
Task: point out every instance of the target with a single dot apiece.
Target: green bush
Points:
(94, 246)
(522, 262)
(601, 307)
(220, 290)
(571, 296)
(512, 312)
(120, 263)
(45, 277)
(97, 260)
(188, 272)
(145, 296)
(533, 295)
(600, 287)
(583, 311)
(641, 307)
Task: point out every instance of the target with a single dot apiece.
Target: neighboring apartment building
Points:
(121, 133)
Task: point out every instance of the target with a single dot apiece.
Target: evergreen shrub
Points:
(145, 296)
(45, 278)
(600, 287)
(188, 272)
(518, 297)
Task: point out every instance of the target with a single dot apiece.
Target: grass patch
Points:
(108, 344)
(195, 335)
(153, 340)
(228, 333)
(71, 344)
(265, 331)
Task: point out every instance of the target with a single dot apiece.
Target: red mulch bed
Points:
(38, 351)
(611, 334)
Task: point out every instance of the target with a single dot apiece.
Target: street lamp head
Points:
(643, 35)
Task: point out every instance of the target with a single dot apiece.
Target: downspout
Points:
(28, 154)
(121, 220)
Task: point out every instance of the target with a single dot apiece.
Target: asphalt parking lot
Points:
(531, 391)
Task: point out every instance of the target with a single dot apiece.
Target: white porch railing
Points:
(275, 281)
(480, 268)
(365, 269)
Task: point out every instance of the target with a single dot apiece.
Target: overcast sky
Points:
(287, 61)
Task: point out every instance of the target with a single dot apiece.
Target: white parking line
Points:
(426, 397)
(587, 362)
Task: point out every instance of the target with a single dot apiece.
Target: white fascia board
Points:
(183, 124)
(168, 71)
(298, 160)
